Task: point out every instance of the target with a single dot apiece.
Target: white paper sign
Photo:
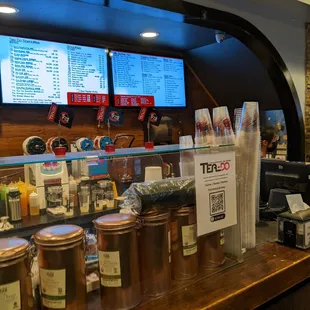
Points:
(296, 203)
(215, 178)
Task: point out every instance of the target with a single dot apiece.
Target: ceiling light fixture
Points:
(149, 34)
(7, 9)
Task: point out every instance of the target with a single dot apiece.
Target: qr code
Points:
(217, 202)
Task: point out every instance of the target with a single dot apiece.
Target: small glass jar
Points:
(110, 199)
(118, 261)
(154, 248)
(62, 267)
(99, 200)
(84, 201)
(184, 243)
(15, 279)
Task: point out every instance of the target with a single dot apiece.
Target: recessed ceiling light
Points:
(7, 9)
(149, 34)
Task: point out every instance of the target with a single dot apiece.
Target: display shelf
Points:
(136, 151)
(31, 224)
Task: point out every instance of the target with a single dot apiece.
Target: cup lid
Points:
(115, 221)
(59, 235)
(11, 248)
(13, 189)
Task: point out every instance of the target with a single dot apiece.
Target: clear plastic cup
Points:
(223, 132)
(84, 202)
(186, 141)
(249, 117)
(204, 134)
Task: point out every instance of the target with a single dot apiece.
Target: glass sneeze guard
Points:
(136, 151)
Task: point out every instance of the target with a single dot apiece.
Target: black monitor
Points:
(291, 176)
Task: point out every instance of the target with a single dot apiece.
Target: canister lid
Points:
(59, 235)
(155, 217)
(11, 248)
(116, 221)
(185, 211)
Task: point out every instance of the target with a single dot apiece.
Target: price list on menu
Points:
(159, 78)
(27, 63)
(42, 72)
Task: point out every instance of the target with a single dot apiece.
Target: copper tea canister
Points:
(62, 267)
(15, 280)
(118, 261)
(154, 248)
(211, 248)
(184, 243)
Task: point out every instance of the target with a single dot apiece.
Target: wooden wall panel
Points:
(18, 123)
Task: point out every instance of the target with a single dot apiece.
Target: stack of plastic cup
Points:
(248, 140)
(237, 119)
(249, 118)
(204, 134)
(223, 132)
(187, 167)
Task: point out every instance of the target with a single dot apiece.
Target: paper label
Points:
(222, 241)
(189, 239)
(216, 199)
(110, 269)
(169, 245)
(295, 203)
(10, 296)
(53, 288)
(300, 228)
(307, 234)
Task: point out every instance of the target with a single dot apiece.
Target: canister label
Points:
(53, 288)
(110, 269)
(189, 239)
(10, 296)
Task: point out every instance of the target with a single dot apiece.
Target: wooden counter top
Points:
(266, 272)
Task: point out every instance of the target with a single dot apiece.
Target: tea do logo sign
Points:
(114, 116)
(216, 199)
(60, 115)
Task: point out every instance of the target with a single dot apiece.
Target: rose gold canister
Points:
(62, 267)
(15, 280)
(211, 248)
(184, 243)
(118, 261)
(154, 248)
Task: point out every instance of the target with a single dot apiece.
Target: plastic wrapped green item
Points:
(164, 194)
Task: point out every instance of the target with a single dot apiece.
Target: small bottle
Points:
(34, 205)
(24, 198)
(2, 200)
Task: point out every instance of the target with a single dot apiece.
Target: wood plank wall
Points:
(18, 123)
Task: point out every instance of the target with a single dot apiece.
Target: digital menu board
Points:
(39, 72)
(146, 80)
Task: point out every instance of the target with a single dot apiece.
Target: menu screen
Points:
(145, 80)
(41, 72)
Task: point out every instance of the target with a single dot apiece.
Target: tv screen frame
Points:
(54, 38)
(155, 54)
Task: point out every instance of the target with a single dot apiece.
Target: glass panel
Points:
(138, 151)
